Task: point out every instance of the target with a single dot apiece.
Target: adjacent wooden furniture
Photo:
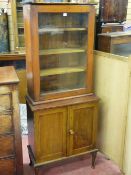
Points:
(113, 10)
(113, 27)
(10, 136)
(61, 107)
(18, 61)
(110, 11)
(118, 43)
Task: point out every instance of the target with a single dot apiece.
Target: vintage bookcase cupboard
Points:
(11, 162)
(61, 106)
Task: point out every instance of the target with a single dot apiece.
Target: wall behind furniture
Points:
(129, 10)
(113, 92)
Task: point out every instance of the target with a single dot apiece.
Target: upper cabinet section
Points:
(59, 47)
(113, 10)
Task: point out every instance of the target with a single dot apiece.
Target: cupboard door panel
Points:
(7, 146)
(82, 127)
(7, 167)
(6, 125)
(51, 135)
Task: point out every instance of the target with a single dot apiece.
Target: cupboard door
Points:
(82, 120)
(50, 134)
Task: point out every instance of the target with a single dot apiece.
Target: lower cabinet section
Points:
(57, 133)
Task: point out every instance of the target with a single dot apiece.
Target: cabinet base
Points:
(36, 166)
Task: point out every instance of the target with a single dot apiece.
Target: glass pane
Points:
(121, 49)
(20, 23)
(63, 51)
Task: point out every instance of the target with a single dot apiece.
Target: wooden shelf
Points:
(61, 51)
(12, 56)
(21, 25)
(57, 71)
(47, 30)
(19, 4)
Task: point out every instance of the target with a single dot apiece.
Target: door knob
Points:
(71, 132)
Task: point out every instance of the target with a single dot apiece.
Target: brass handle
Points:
(71, 132)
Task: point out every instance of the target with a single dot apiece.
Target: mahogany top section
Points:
(8, 75)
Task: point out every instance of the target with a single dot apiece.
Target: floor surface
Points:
(76, 167)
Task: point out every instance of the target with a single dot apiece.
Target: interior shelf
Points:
(19, 4)
(59, 90)
(20, 25)
(56, 71)
(47, 30)
(61, 51)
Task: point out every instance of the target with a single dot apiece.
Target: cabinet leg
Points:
(36, 169)
(94, 154)
(31, 163)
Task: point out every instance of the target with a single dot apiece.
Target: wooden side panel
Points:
(17, 131)
(22, 88)
(6, 146)
(6, 124)
(30, 121)
(104, 43)
(5, 102)
(50, 135)
(113, 10)
(29, 50)
(7, 167)
(82, 127)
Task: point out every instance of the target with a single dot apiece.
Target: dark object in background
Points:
(4, 35)
(118, 43)
(113, 10)
(111, 27)
(110, 11)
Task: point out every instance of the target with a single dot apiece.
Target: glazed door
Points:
(50, 133)
(62, 39)
(82, 121)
